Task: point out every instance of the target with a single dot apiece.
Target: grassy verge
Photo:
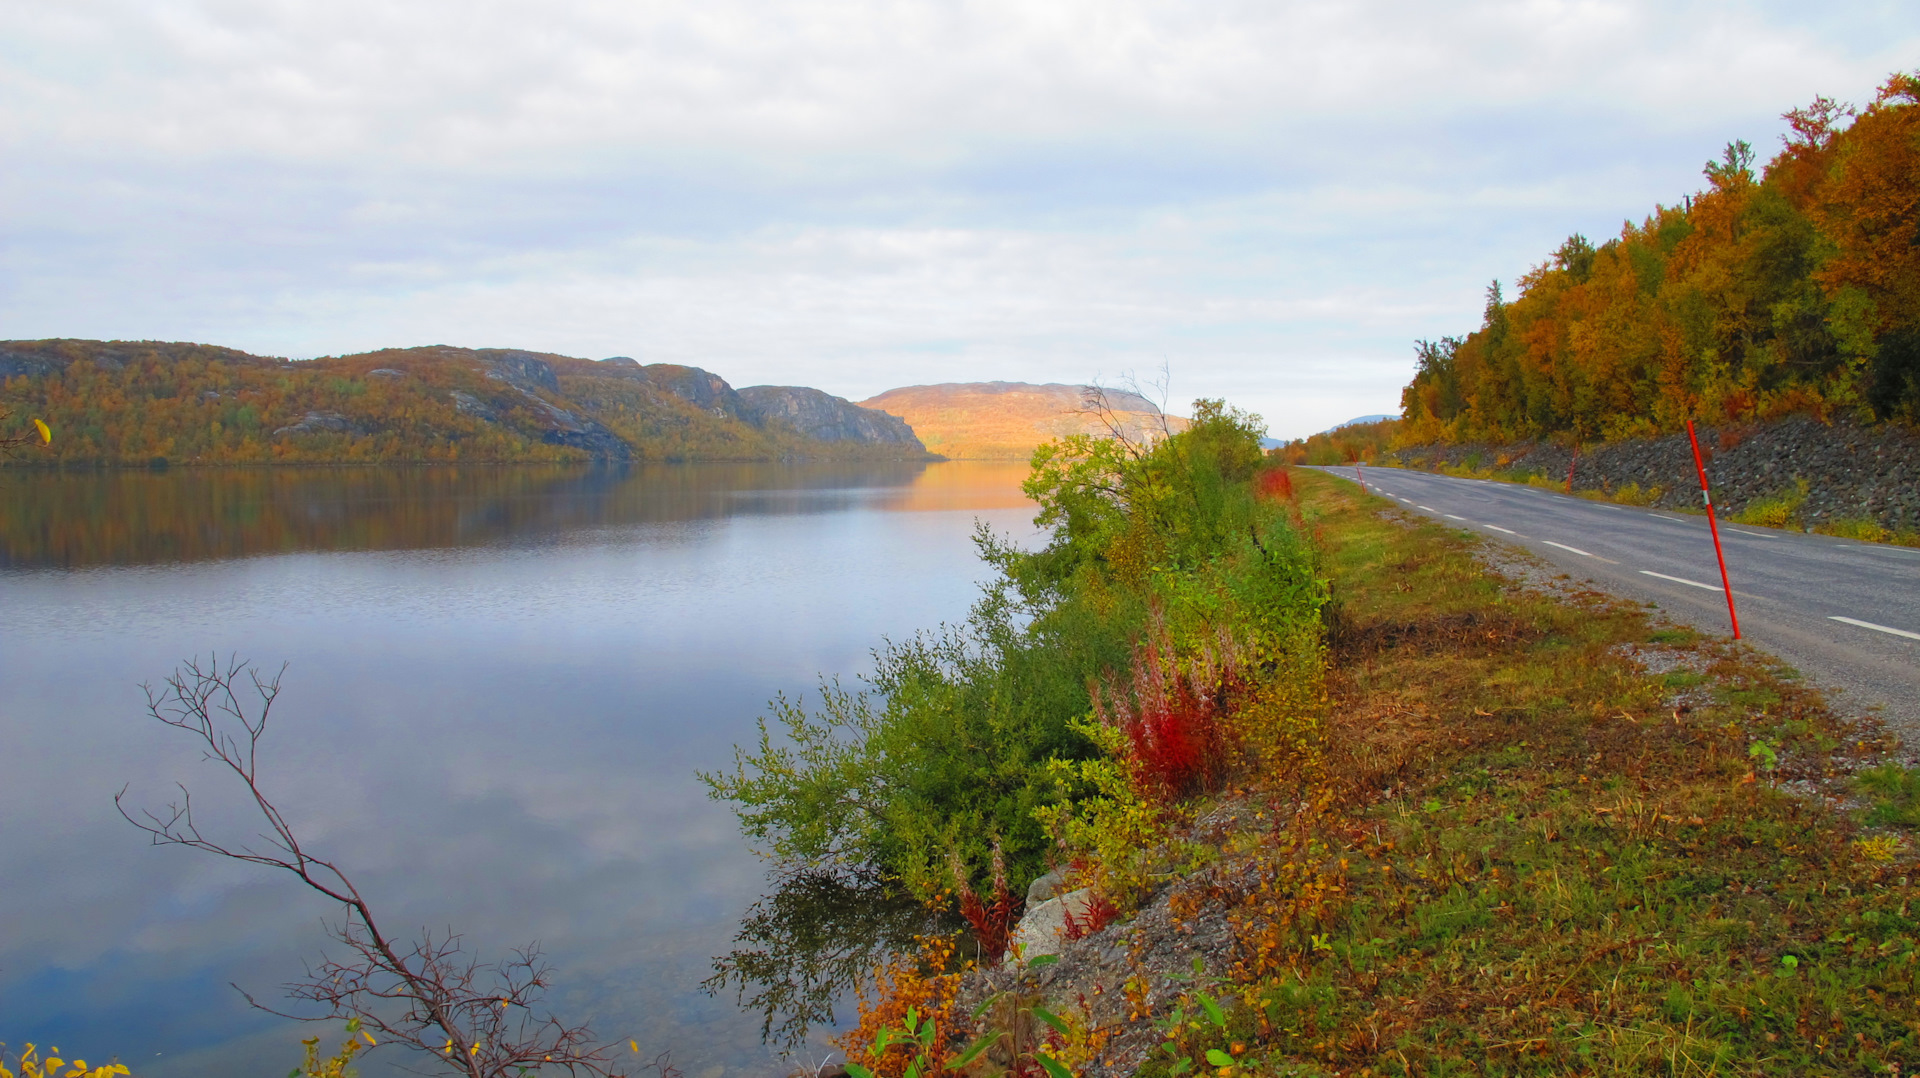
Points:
(1558, 837)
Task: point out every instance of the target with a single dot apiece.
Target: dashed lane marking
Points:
(1498, 528)
(1756, 535)
(1427, 508)
(1563, 546)
(1878, 628)
(1680, 580)
(1450, 516)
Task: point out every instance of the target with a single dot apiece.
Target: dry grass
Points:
(1540, 857)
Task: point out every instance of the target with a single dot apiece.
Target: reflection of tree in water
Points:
(808, 943)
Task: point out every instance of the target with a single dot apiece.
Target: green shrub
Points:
(957, 743)
(1778, 510)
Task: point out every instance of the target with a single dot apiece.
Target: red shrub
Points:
(1098, 914)
(1177, 744)
(1274, 483)
(992, 923)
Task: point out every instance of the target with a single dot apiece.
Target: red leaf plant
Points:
(1096, 914)
(1172, 714)
(992, 922)
(1275, 484)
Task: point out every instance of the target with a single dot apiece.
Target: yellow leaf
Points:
(369, 1037)
(46, 436)
(635, 1045)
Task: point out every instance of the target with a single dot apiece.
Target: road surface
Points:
(1845, 614)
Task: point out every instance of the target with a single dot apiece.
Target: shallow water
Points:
(499, 685)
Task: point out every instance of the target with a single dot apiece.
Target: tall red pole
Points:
(1570, 464)
(1362, 475)
(1700, 466)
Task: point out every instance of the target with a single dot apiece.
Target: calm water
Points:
(500, 684)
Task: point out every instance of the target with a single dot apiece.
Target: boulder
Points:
(1045, 887)
(1043, 928)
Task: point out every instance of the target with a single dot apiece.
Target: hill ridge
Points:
(162, 402)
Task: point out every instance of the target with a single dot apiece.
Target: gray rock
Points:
(522, 370)
(320, 423)
(386, 372)
(1045, 887)
(468, 404)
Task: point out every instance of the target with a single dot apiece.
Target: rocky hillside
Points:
(115, 402)
(824, 417)
(1007, 420)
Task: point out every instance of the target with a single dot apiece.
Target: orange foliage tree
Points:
(1792, 289)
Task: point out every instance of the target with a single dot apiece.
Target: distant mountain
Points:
(1008, 420)
(118, 402)
(1357, 420)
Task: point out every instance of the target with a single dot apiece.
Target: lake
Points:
(499, 684)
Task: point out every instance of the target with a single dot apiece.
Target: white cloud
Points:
(1274, 198)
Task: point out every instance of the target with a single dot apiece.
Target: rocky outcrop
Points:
(1851, 471)
(522, 370)
(824, 417)
(320, 423)
(703, 389)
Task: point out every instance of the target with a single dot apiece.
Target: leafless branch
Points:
(1096, 401)
(473, 1018)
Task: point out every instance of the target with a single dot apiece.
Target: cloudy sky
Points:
(1272, 200)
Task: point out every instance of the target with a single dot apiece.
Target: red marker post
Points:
(1700, 466)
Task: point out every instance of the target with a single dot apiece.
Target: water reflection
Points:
(802, 948)
(76, 519)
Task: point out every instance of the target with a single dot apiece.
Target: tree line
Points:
(1793, 288)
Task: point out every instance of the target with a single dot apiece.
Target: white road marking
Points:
(1498, 528)
(1871, 625)
(1679, 580)
(1564, 546)
(1428, 508)
(1450, 516)
(1756, 535)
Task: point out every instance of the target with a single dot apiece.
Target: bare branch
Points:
(468, 1017)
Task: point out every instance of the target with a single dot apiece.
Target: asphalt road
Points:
(1845, 614)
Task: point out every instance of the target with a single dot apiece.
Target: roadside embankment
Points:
(1540, 833)
(1815, 475)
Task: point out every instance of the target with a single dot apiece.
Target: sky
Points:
(1270, 202)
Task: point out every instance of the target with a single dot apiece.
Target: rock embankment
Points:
(1851, 471)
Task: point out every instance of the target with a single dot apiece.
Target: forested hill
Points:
(148, 402)
(1792, 290)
